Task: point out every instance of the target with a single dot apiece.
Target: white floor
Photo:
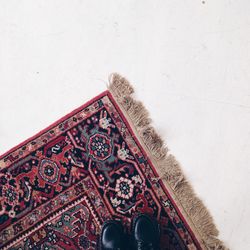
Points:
(189, 62)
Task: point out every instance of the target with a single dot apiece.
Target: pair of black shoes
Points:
(145, 235)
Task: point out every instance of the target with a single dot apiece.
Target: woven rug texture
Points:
(102, 161)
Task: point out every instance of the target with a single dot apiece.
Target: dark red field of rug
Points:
(58, 187)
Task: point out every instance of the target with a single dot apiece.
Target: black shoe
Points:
(146, 233)
(112, 236)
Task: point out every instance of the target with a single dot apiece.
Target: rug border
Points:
(193, 210)
(136, 138)
(21, 144)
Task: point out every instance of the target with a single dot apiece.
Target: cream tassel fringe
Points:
(168, 168)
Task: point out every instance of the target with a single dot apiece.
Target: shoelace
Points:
(144, 246)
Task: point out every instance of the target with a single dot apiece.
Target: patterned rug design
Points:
(58, 187)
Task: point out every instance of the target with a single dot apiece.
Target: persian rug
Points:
(104, 160)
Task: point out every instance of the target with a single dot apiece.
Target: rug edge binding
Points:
(167, 166)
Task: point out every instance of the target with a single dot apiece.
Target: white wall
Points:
(188, 60)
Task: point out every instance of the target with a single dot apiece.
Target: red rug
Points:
(58, 187)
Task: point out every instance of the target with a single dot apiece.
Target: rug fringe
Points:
(167, 166)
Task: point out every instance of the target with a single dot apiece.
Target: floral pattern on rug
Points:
(58, 188)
